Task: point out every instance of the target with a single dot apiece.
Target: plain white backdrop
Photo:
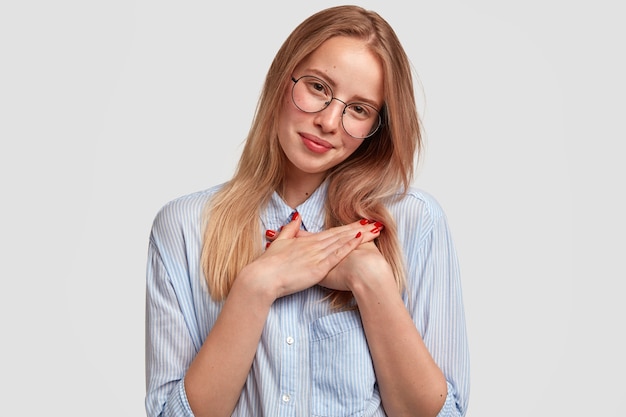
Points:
(109, 109)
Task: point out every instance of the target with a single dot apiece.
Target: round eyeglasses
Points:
(312, 95)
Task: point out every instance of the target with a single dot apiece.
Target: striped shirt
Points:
(311, 360)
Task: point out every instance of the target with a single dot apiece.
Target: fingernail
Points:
(267, 245)
(378, 224)
(375, 230)
(270, 233)
(364, 221)
(358, 235)
(295, 215)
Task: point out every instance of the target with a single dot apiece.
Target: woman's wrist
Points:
(253, 283)
(370, 280)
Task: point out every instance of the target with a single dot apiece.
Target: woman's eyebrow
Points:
(321, 75)
(358, 98)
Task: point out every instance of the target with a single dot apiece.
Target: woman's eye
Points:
(319, 88)
(360, 111)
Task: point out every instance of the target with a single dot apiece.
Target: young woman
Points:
(317, 281)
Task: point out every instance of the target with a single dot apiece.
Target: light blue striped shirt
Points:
(311, 361)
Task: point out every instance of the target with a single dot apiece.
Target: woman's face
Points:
(316, 142)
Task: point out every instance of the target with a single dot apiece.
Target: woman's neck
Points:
(297, 188)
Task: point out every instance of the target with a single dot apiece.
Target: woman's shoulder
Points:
(418, 204)
(183, 211)
(417, 214)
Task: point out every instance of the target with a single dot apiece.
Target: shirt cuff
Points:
(178, 405)
(450, 407)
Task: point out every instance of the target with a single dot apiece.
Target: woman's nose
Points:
(329, 119)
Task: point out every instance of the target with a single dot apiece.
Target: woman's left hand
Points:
(365, 263)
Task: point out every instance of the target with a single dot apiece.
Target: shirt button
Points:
(286, 398)
(290, 340)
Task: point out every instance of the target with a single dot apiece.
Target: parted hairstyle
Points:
(379, 170)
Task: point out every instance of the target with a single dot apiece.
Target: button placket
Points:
(290, 362)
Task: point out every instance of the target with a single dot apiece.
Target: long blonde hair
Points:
(380, 169)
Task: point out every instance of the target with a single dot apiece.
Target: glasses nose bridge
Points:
(345, 105)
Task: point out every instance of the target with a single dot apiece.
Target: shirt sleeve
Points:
(169, 347)
(435, 302)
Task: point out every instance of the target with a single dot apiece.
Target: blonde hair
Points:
(380, 169)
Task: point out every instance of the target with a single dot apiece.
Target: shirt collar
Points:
(278, 213)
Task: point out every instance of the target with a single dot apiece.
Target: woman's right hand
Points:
(297, 260)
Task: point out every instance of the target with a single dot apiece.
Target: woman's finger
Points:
(369, 228)
(289, 231)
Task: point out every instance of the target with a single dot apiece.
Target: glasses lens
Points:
(360, 120)
(312, 95)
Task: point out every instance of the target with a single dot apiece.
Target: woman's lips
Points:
(315, 144)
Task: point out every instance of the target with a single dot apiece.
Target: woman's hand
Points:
(297, 260)
(362, 260)
(364, 263)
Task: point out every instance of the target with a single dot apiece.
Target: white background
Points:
(109, 109)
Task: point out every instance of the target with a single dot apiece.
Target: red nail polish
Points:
(378, 224)
(295, 215)
(270, 233)
(267, 245)
(358, 235)
(364, 221)
(375, 230)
